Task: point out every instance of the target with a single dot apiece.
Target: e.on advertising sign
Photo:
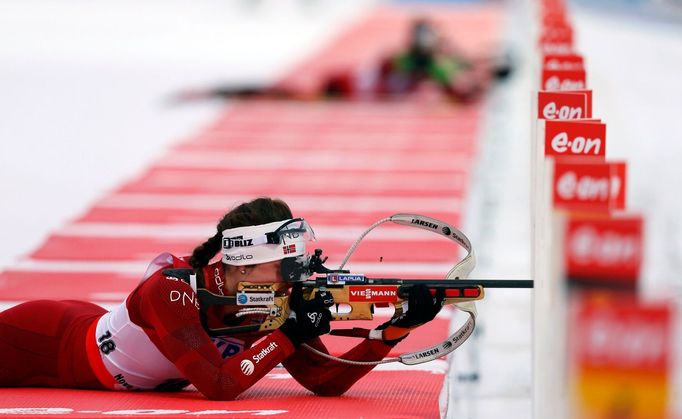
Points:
(620, 357)
(582, 187)
(604, 251)
(589, 187)
(575, 139)
(556, 35)
(563, 62)
(563, 79)
(559, 48)
(562, 105)
(618, 178)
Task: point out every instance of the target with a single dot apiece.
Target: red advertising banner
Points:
(588, 95)
(557, 35)
(618, 185)
(562, 105)
(557, 48)
(621, 359)
(575, 138)
(563, 62)
(582, 187)
(553, 14)
(607, 335)
(604, 251)
(563, 79)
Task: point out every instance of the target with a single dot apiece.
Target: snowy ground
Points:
(83, 89)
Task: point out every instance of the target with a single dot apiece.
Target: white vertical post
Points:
(549, 300)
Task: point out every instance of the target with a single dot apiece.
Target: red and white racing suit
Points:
(155, 341)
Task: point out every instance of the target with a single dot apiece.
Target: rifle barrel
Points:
(498, 283)
(485, 283)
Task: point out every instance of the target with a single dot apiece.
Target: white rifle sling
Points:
(460, 271)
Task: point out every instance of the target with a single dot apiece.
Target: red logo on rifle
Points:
(383, 294)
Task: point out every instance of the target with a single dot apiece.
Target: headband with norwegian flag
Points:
(251, 245)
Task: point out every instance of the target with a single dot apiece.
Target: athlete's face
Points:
(268, 272)
(263, 273)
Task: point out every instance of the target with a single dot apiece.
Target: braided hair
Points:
(256, 212)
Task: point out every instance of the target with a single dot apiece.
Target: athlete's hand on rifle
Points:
(308, 318)
(422, 308)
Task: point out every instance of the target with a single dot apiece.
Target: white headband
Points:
(263, 243)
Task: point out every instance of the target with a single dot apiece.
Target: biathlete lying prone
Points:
(157, 338)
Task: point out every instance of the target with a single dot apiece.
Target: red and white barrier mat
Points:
(389, 394)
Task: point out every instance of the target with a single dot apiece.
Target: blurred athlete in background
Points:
(429, 58)
(158, 338)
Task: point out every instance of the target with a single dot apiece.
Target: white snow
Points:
(85, 89)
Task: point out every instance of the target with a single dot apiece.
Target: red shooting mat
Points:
(340, 165)
(385, 394)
